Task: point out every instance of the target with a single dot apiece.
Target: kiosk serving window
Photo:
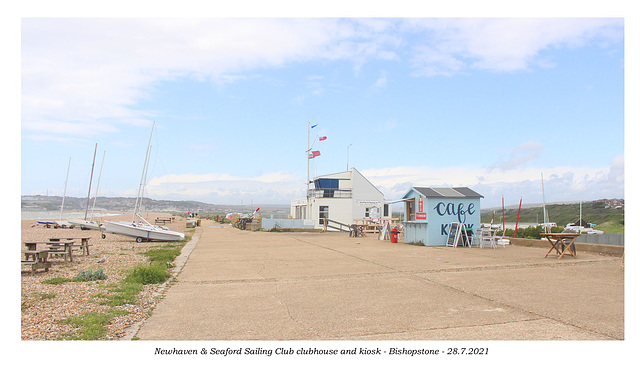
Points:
(411, 210)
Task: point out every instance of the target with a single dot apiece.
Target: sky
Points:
(493, 104)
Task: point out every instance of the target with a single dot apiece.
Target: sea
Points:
(52, 215)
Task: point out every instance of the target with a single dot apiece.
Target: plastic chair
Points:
(487, 237)
(475, 238)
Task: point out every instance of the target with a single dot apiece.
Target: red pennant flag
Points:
(322, 138)
(314, 154)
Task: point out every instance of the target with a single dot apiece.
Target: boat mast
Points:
(98, 185)
(86, 211)
(581, 214)
(135, 208)
(544, 208)
(146, 170)
(65, 189)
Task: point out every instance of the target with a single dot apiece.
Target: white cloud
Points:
(449, 46)
(564, 183)
(273, 187)
(84, 75)
(520, 155)
(382, 82)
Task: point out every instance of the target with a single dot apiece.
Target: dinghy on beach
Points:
(89, 224)
(142, 231)
(140, 228)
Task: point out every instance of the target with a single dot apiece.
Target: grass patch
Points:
(50, 295)
(87, 275)
(127, 290)
(147, 274)
(166, 254)
(611, 227)
(91, 326)
(122, 293)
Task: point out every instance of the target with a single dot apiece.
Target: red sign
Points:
(420, 207)
(421, 216)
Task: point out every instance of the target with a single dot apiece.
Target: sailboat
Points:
(582, 227)
(61, 223)
(545, 215)
(88, 224)
(140, 228)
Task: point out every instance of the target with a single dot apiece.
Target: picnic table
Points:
(163, 221)
(356, 231)
(37, 259)
(557, 241)
(84, 242)
(54, 247)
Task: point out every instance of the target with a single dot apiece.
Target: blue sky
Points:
(488, 103)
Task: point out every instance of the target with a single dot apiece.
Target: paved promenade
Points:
(241, 285)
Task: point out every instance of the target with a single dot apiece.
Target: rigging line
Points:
(157, 156)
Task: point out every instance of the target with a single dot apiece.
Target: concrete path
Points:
(241, 285)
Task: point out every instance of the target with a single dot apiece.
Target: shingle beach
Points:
(44, 306)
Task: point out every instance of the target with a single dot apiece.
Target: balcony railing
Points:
(330, 193)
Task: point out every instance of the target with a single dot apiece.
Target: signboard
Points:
(368, 203)
(421, 215)
(454, 229)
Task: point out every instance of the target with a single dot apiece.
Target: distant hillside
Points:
(595, 212)
(123, 204)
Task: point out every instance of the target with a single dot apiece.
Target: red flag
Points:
(322, 138)
(314, 154)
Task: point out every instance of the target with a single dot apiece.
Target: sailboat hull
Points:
(85, 224)
(143, 231)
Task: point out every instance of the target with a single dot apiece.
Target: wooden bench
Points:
(37, 259)
(54, 247)
(84, 243)
(63, 250)
(163, 221)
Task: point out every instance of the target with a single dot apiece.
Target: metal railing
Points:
(330, 193)
(328, 223)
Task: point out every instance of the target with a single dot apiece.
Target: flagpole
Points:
(307, 183)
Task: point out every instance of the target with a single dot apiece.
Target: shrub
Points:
(89, 275)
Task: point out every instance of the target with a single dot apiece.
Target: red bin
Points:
(394, 235)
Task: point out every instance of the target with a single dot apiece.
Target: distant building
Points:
(342, 197)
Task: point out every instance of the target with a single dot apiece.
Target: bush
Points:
(89, 275)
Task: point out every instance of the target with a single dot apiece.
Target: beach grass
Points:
(91, 326)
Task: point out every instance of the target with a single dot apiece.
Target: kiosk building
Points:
(429, 213)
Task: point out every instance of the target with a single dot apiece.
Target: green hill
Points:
(610, 220)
